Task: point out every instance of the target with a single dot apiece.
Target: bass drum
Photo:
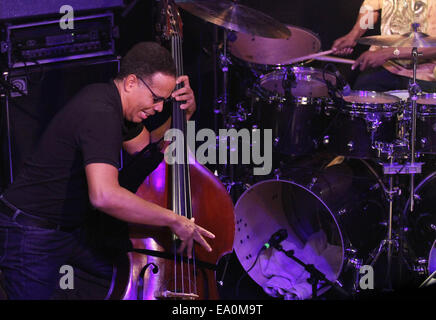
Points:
(328, 214)
(421, 233)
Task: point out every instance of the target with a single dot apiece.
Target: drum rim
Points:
(294, 68)
(270, 76)
(337, 275)
(376, 94)
(423, 182)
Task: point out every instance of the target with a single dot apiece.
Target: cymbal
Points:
(236, 17)
(412, 39)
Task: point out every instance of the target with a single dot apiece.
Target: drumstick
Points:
(335, 59)
(311, 56)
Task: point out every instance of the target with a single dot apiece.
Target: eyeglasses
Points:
(156, 98)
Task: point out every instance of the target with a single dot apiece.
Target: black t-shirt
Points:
(89, 129)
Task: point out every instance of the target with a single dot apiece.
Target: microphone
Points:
(341, 83)
(276, 238)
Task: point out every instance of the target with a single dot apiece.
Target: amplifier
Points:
(46, 42)
(14, 9)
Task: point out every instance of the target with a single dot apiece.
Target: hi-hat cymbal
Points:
(412, 39)
(236, 17)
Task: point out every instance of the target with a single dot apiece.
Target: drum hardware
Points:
(420, 267)
(240, 115)
(414, 40)
(356, 264)
(316, 275)
(431, 280)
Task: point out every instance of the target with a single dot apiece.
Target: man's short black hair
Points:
(145, 59)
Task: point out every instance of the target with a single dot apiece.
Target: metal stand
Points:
(388, 243)
(315, 275)
(411, 168)
(8, 89)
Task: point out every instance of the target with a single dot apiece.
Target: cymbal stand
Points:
(392, 168)
(389, 243)
(414, 90)
(9, 88)
(226, 173)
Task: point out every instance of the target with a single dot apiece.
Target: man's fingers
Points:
(182, 247)
(184, 79)
(182, 92)
(201, 241)
(189, 248)
(356, 63)
(364, 64)
(205, 232)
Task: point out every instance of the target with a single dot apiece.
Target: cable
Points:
(238, 283)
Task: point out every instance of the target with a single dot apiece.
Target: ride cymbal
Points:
(236, 17)
(414, 39)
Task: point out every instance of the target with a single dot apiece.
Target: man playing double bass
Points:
(76, 165)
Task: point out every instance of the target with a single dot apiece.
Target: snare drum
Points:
(364, 118)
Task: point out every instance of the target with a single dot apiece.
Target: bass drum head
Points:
(333, 211)
(313, 234)
(268, 51)
(422, 223)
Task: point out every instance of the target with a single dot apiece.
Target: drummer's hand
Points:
(372, 59)
(186, 95)
(344, 45)
(188, 232)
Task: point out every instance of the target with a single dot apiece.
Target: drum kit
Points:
(347, 188)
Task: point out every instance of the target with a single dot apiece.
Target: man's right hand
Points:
(188, 232)
(344, 45)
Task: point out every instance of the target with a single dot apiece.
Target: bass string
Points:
(182, 171)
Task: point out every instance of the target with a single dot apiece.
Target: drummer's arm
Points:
(366, 20)
(373, 59)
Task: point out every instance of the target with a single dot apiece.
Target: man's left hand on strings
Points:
(186, 95)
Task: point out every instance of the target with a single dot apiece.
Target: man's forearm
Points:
(125, 205)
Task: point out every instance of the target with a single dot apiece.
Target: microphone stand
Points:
(315, 275)
(8, 88)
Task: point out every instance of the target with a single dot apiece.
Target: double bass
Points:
(154, 269)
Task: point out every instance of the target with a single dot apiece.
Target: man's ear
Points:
(130, 82)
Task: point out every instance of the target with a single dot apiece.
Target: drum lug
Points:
(312, 183)
(276, 141)
(341, 212)
(325, 140)
(423, 142)
(350, 146)
(420, 266)
(277, 174)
